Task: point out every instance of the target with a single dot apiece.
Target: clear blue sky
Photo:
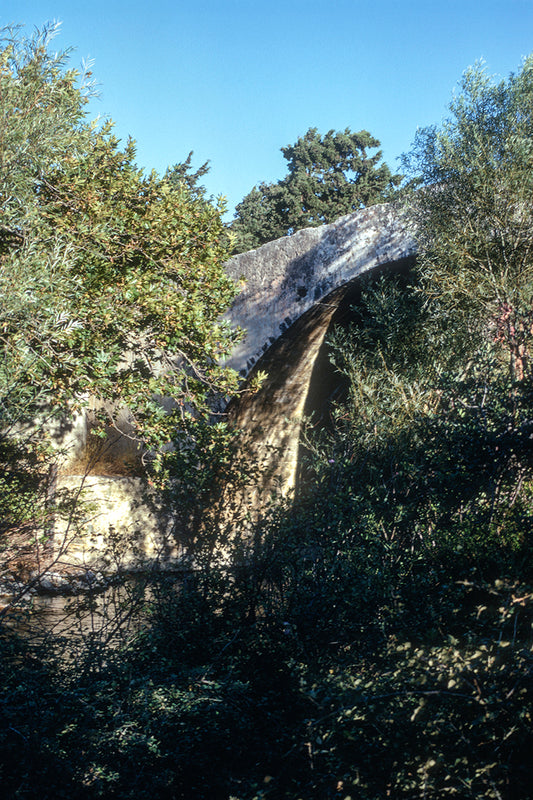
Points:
(235, 80)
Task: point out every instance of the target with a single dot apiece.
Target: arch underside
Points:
(299, 382)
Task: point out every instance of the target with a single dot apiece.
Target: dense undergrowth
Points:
(326, 691)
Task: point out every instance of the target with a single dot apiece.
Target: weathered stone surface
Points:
(118, 528)
(282, 280)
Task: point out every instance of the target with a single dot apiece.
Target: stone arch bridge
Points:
(293, 291)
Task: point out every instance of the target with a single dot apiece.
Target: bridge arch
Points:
(284, 279)
(271, 418)
(295, 290)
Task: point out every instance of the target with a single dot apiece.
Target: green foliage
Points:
(112, 281)
(473, 210)
(180, 175)
(202, 704)
(328, 176)
(374, 638)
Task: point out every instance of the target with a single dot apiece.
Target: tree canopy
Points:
(112, 281)
(328, 176)
(473, 208)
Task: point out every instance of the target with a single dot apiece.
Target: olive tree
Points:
(112, 287)
(473, 208)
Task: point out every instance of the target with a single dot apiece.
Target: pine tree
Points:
(112, 281)
(328, 176)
